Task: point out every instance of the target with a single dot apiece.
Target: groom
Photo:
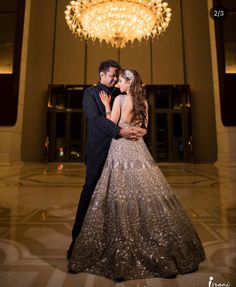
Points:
(100, 132)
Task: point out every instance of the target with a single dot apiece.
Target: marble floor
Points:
(37, 208)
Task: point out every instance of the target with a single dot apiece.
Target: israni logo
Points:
(217, 284)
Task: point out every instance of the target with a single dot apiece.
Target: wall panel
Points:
(97, 53)
(69, 51)
(137, 56)
(38, 76)
(167, 59)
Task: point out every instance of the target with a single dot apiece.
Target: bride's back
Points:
(126, 107)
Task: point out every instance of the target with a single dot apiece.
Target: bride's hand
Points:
(105, 98)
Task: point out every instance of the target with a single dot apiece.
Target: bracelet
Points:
(108, 113)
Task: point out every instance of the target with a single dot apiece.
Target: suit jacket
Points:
(100, 130)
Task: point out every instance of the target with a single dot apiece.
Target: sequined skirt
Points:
(135, 227)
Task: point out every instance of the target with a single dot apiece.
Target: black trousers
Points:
(93, 174)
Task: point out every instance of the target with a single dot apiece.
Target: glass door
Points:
(162, 136)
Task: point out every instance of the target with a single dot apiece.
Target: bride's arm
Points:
(106, 102)
(113, 114)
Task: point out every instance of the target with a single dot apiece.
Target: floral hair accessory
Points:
(129, 74)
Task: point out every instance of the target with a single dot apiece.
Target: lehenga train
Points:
(135, 227)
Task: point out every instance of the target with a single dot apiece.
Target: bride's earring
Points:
(128, 89)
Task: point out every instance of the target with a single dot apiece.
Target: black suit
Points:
(100, 132)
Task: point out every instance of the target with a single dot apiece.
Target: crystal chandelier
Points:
(117, 21)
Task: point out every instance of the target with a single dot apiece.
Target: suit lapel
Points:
(98, 100)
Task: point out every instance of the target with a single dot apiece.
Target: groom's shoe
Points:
(119, 279)
(72, 271)
(69, 251)
(170, 277)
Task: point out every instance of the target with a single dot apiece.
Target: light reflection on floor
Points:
(37, 208)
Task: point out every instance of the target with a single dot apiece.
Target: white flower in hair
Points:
(129, 74)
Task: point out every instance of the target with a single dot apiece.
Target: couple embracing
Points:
(129, 224)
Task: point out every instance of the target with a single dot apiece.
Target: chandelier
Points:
(117, 21)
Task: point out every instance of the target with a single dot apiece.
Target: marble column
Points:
(10, 143)
(226, 136)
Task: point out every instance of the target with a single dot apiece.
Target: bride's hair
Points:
(137, 91)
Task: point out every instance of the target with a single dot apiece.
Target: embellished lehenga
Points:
(135, 227)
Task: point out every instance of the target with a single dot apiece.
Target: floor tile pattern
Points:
(37, 207)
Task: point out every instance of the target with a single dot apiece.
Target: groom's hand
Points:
(126, 133)
(133, 133)
(140, 132)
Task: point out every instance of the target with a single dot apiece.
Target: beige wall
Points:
(167, 59)
(11, 137)
(178, 57)
(69, 52)
(38, 76)
(198, 70)
(226, 136)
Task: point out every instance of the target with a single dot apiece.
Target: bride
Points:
(135, 227)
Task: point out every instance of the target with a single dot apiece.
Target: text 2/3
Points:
(218, 13)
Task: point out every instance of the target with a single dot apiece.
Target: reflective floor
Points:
(37, 208)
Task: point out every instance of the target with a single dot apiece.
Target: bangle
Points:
(108, 113)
